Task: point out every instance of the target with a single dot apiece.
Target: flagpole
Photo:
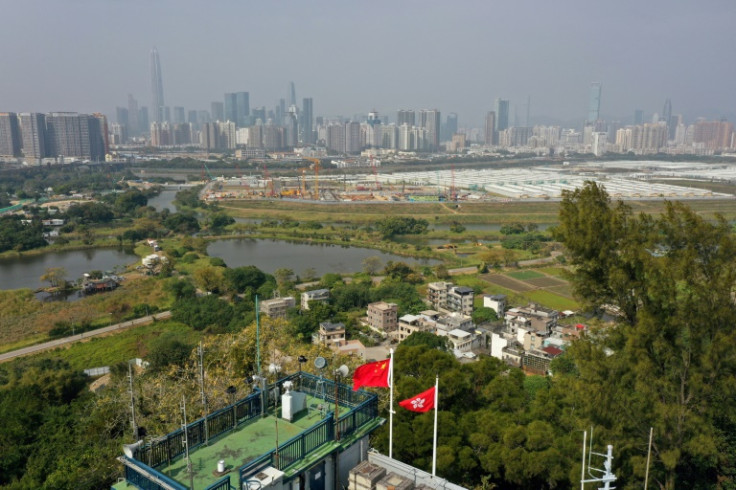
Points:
(391, 405)
(434, 443)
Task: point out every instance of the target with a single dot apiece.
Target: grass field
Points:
(467, 212)
(120, 347)
(524, 275)
(551, 300)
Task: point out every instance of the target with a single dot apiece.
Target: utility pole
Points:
(201, 389)
(186, 441)
(132, 401)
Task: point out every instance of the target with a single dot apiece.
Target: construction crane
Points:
(317, 163)
(375, 174)
(205, 168)
(303, 183)
(269, 179)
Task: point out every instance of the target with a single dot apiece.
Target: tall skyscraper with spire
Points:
(157, 88)
(292, 94)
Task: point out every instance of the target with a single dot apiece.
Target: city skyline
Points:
(641, 53)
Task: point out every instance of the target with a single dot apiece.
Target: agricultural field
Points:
(544, 286)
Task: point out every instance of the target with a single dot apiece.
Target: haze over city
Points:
(86, 56)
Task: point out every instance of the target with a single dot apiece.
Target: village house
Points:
(321, 295)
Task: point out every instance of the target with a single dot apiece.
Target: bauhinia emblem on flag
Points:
(423, 402)
(374, 374)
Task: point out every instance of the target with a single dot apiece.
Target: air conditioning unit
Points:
(268, 477)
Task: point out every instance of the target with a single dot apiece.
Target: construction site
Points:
(636, 182)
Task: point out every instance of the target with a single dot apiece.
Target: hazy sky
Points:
(354, 56)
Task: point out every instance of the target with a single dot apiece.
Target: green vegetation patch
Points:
(551, 300)
(110, 350)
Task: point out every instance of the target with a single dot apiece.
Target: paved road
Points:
(34, 349)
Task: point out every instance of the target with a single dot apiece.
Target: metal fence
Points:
(222, 484)
(361, 407)
(137, 474)
(171, 447)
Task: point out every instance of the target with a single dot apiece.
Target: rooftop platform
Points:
(249, 439)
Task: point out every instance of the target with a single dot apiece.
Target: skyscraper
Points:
(179, 115)
(450, 126)
(33, 129)
(490, 133)
(134, 128)
(292, 94)
(10, 140)
(157, 88)
(638, 117)
(502, 114)
(217, 111)
(666, 111)
(594, 107)
(242, 102)
(307, 127)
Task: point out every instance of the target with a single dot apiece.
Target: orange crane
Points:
(375, 174)
(317, 163)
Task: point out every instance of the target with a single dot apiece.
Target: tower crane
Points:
(317, 163)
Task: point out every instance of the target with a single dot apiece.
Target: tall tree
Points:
(670, 364)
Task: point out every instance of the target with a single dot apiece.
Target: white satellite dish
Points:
(342, 370)
(320, 362)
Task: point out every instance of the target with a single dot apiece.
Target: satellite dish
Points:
(129, 449)
(320, 362)
(342, 370)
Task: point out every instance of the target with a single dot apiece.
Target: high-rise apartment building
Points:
(10, 139)
(73, 135)
(352, 137)
(430, 120)
(406, 117)
(306, 129)
(490, 129)
(33, 130)
(594, 105)
(502, 114)
(157, 89)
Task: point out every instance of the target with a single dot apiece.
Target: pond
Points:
(164, 200)
(269, 255)
(26, 271)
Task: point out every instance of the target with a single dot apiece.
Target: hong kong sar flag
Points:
(423, 402)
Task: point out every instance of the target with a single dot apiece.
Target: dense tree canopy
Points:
(670, 363)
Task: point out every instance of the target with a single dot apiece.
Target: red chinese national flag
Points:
(372, 374)
(423, 402)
